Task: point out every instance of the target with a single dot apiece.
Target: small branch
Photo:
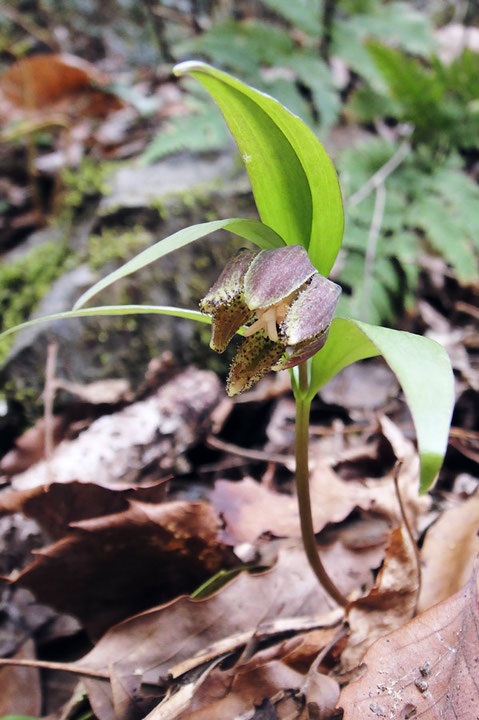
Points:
(371, 247)
(30, 27)
(158, 26)
(304, 497)
(48, 399)
(407, 525)
(47, 665)
(380, 176)
(258, 455)
(329, 7)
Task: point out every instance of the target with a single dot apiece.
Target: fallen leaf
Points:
(388, 605)
(250, 509)
(186, 633)
(110, 567)
(429, 668)
(30, 446)
(54, 83)
(56, 506)
(102, 392)
(155, 431)
(448, 553)
(20, 689)
(230, 693)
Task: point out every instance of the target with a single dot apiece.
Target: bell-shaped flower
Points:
(286, 303)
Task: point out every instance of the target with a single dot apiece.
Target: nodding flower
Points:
(285, 303)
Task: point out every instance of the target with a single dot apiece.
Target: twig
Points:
(380, 175)
(48, 400)
(407, 525)
(218, 444)
(158, 26)
(47, 665)
(371, 247)
(30, 27)
(329, 7)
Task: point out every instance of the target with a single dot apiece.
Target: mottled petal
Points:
(226, 321)
(254, 359)
(229, 284)
(311, 312)
(276, 274)
(303, 352)
(225, 301)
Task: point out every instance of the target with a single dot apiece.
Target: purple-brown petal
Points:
(275, 274)
(230, 283)
(255, 358)
(311, 312)
(226, 321)
(302, 352)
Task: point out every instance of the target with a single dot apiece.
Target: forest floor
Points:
(151, 564)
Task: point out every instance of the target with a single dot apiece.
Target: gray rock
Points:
(91, 349)
(139, 186)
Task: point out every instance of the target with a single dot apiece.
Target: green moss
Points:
(114, 246)
(89, 178)
(24, 282)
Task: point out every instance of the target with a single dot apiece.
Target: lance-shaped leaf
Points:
(251, 230)
(294, 182)
(113, 310)
(422, 368)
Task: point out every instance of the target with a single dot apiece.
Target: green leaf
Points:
(251, 230)
(294, 182)
(422, 368)
(114, 310)
(303, 14)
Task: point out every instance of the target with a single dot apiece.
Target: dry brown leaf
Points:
(115, 448)
(388, 605)
(54, 83)
(102, 392)
(30, 446)
(147, 647)
(448, 553)
(250, 509)
(230, 693)
(57, 505)
(428, 669)
(108, 568)
(20, 689)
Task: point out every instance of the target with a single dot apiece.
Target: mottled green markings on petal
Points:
(254, 359)
(225, 301)
(230, 283)
(422, 368)
(226, 322)
(294, 181)
(312, 311)
(275, 274)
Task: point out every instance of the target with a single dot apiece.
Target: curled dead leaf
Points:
(110, 567)
(448, 552)
(54, 83)
(388, 605)
(428, 669)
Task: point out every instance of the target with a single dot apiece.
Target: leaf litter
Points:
(130, 540)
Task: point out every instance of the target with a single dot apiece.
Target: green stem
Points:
(302, 485)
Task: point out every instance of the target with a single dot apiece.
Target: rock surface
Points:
(158, 200)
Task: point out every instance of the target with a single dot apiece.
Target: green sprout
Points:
(283, 291)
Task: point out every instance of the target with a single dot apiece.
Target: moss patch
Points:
(116, 246)
(24, 282)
